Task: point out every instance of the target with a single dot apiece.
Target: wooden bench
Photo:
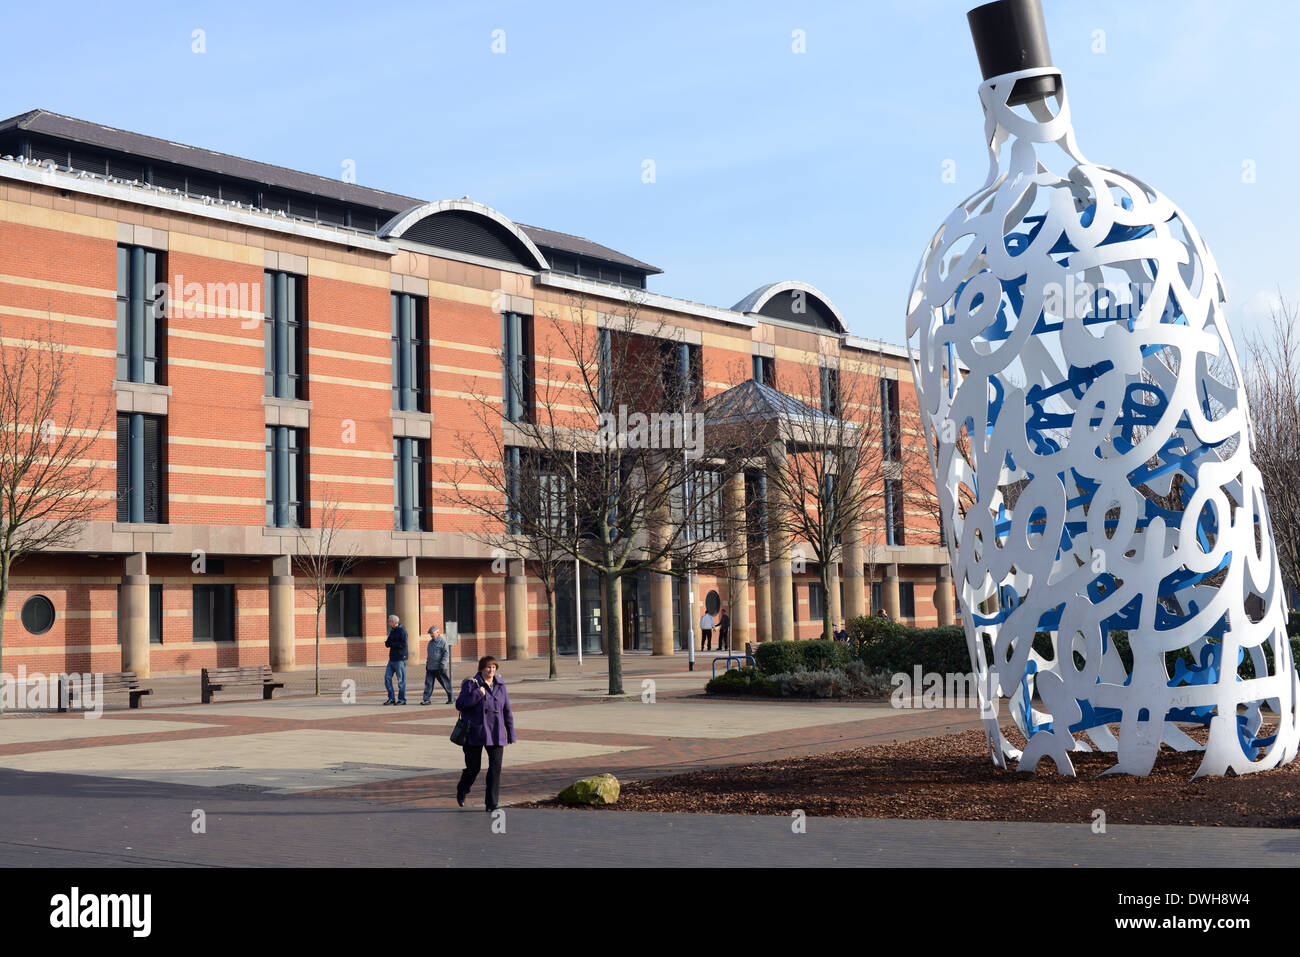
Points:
(224, 679)
(113, 682)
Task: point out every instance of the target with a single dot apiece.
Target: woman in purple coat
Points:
(483, 702)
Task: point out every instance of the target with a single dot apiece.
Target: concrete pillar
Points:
(855, 584)
(891, 591)
(280, 587)
(763, 605)
(782, 599)
(406, 604)
(135, 609)
(516, 611)
(943, 597)
(661, 588)
(738, 566)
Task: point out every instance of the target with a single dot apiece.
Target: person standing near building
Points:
(437, 665)
(706, 631)
(724, 631)
(396, 645)
(485, 705)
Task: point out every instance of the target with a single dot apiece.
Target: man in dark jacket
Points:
(437, 665)
(724, 631)
(396, 645)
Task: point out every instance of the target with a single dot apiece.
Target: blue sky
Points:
(823, 166)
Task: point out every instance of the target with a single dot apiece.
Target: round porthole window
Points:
(712, 603)
(38, 614)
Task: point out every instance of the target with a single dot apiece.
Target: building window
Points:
(285, 477)
(141, 308)
(38, 614)
(831, 391)
(706, 490)
(410, 353)
(214, 612)
(894, 534)
(816, 601)
(458, 606)
(343, 612)
(794, 600)
(410, 485)
(282, 336)
(877, 598)
(906, 600)
(140, 468)
(891, 422)
(155, 615)
(517, 366)
(765, 371)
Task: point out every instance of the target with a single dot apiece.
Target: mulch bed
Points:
(950, 777)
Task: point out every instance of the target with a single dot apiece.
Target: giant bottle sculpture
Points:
(1090, 442)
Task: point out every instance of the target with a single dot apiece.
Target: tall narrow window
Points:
(517, 365)
(458, 606)
(285, 477)
(894, 534)
(906, 600)
(410, 485)
(410, 353)
(140, 468)
(877, 597)
(765, 370)
(831, 391)
(214, 612)
(891, 425)
(817, 602)
(343, 612)
(141, 306)
(282, 336)
(706, 492)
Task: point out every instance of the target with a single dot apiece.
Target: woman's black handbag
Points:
(460, 733)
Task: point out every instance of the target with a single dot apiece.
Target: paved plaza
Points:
(335, 779)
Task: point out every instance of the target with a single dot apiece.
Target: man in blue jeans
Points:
(396, 645)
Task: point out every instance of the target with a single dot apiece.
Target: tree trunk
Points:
(826, 600)
(614, 631)
(318, 650)
(550, 617)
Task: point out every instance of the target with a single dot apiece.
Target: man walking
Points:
(724, 631)
(396, 645)
(706, 631)
(437, 665)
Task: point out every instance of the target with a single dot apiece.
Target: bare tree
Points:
(1272, 383)
(833, 456)
(49, 484)
(609, 413)
(324, 559)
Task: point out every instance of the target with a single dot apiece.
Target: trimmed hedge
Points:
(884, 645)
(784, 657)
(743, 681)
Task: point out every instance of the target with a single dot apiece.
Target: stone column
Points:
(891, 592)
(855, 558)
(406, 606)
(781, 600)
(282, 614)
(738, 566)
(516, 611)
(763, 605)
(661, 587)
(135, 609)
(943, 597)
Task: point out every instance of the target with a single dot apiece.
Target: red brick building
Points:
(259, 337)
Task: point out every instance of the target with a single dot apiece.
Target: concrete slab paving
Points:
(61, 728)
(285, 761)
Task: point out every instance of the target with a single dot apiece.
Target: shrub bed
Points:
(785, 657)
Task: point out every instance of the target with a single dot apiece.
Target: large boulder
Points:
(601, 789)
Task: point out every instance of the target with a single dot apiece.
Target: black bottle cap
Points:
(1010, 36)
